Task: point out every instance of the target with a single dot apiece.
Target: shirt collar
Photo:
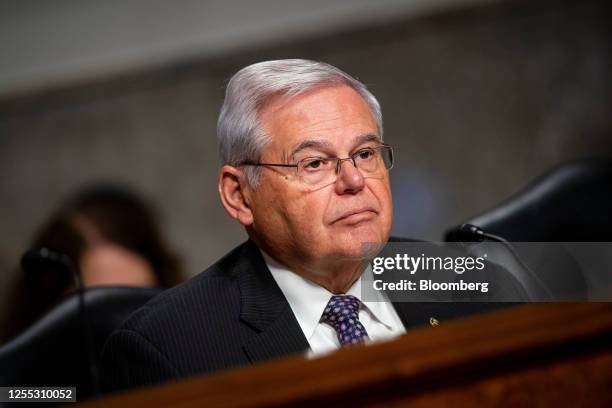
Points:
(379, 304)
(308, 299)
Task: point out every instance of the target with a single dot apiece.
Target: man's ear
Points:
(234, 195)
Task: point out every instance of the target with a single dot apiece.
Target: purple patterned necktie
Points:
(342, 313)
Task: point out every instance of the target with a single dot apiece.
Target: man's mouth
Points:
(355, 216)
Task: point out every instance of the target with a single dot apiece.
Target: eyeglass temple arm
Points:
(269, 164)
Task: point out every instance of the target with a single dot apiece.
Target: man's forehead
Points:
(342, 100)
(324, 118)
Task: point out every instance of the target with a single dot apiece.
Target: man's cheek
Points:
(309, 215)
(309, 205)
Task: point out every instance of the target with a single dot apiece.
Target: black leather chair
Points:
(54, 351)
(570, 203)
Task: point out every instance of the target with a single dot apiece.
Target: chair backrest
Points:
(570, 203)
(54, 352)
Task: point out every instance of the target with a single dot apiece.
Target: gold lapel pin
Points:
(434, 322)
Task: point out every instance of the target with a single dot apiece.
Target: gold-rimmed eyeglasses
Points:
(317, 171)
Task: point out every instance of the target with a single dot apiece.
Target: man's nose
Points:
(350, 180)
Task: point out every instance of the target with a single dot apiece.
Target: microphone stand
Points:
(36, 257)
(471, 233)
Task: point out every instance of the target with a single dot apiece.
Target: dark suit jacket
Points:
(230, 315)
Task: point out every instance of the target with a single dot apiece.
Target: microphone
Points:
(472, 233)
(41, 259)
(466, 233)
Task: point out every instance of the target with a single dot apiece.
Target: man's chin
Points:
(359, 244)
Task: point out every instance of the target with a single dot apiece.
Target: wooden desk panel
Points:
(542, 354)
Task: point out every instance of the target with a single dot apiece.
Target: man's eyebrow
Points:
(325, 145)
(310, 144)
(367, 138)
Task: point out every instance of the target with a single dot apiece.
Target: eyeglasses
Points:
(320, 171)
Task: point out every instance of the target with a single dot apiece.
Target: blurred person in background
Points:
(113, 238)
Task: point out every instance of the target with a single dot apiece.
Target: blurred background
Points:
(479, 98)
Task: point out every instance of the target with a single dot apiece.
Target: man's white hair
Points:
(240, 133)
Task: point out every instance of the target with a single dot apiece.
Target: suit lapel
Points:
(265, 309)
(282, 337)
(411, 314)
(414, 314)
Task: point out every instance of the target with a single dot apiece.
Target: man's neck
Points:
(337, 276)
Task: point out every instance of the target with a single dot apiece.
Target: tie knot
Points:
(341, 309)
(342, 313)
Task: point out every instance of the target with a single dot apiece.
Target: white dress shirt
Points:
(308, 300)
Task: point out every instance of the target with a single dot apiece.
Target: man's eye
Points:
(315, 164)
(365, 154)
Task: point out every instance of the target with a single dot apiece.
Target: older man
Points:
(305, 171)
